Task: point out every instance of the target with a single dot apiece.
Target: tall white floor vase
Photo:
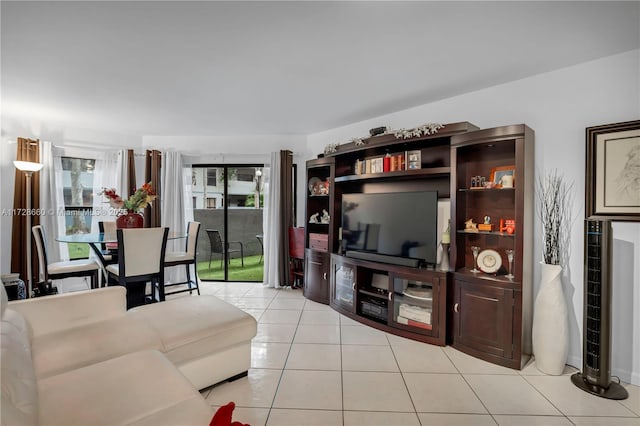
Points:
(550, 334)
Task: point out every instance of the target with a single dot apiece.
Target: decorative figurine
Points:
(325, 218)
(486, 226)
(470, 226)
(314, 218)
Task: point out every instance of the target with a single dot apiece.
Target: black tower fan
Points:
(595, 377)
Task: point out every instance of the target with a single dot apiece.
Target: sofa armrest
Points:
(64, 311)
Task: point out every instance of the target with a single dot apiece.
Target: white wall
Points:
(559, 106)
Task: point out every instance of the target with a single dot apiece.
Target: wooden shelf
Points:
(485, 190)
(374, 294)
(409, 174)
(499, 234)
(466, 272)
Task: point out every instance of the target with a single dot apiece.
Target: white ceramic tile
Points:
(318, 317)
(442, 393)
(531, 370)
(252, 303)
(256, 390)
(418, 357)
(510, 420)
(256, 313)
(280, 316)
(467, 364)
(441, 419)
(575, 402)
(633, 402)
(509, 394)
(275, 333)
(309, 390)
(269, 355)
(250, 416)
(286, 303)
(362, 335)
(291, 417)
(608, 421)
(373, 391)
(310, 305)
(344, 320)
(372, 418)
(311, 356)
(260, 291)
(289, 293)
(368, 358)
(329, 334)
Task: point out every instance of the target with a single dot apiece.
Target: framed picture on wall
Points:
(613, 171)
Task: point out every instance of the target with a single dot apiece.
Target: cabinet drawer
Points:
(319, 242)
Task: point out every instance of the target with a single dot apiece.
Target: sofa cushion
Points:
(19, 388)
(138, 388)
(190, 327)
(77, 347)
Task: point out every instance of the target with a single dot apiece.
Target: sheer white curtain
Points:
(270, 225)
(173, 206)
(52, 200)
(110, 172)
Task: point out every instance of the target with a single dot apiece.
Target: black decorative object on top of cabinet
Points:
(319, 228)
(491, 243)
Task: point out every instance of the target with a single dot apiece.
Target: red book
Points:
(406, 321)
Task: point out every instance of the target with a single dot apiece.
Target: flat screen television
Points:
(398, 225)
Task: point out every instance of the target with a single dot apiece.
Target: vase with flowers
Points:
(131, 218)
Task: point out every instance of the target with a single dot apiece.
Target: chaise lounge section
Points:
(82, 358)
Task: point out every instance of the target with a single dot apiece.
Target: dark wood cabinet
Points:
(492, 302)
(316, 283)
(319, 231)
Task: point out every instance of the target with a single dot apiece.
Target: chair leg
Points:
(242, 254)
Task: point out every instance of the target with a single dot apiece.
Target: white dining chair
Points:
(186, 258)
(62, 269)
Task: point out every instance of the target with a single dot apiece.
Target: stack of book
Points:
(414, 316)
(407, 160)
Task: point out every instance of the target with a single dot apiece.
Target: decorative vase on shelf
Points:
(130, 219)
(550, 332)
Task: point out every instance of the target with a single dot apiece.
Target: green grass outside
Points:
(78, 250)
(252, 271)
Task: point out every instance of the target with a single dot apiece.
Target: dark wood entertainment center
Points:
(484, 314)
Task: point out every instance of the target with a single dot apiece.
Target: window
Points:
(77, 183)
(211, 177)
(194, 178)
(211, 203)
(245, 174)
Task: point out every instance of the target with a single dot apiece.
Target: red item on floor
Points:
(222, 417)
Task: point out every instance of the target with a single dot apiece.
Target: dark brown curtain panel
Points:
(286, 217)
(153, 161)
(27, 150)
(131, 172)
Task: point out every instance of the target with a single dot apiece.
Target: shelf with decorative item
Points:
(486, 277)
(486, 190)
(408, 174)
(499, 234)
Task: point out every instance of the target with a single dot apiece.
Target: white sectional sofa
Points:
(82, 358)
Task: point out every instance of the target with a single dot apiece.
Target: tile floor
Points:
(313, 366)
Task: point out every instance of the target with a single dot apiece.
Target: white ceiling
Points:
(221, 68)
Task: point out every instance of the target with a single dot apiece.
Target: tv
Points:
(398, 227)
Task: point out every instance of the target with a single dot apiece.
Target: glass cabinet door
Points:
(344, 276)
(413, 305)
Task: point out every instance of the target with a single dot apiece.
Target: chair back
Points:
(215, 240)
(41, 249)
(108, 227)
(193, 229)
(296, 243)
(141, 251)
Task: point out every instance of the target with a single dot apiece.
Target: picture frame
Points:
(612, 178)
(498, 172)
(414, 160)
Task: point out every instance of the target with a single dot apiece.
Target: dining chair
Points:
(62, 269)
(218, 246)
(296, 256)
(186, 258)
(141, 254)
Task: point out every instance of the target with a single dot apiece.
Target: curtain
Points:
(153, 160)
(27, 150)
(52, 201)
(278, 217)
(172, 204)
(111, 171)
(129, 169)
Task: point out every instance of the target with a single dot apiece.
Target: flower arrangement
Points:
(138, 201)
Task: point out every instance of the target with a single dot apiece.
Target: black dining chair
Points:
(218, 246)
(186, 258)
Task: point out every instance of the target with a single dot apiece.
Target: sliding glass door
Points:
(228, 201)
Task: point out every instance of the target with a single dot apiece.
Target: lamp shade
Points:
(27, 166)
